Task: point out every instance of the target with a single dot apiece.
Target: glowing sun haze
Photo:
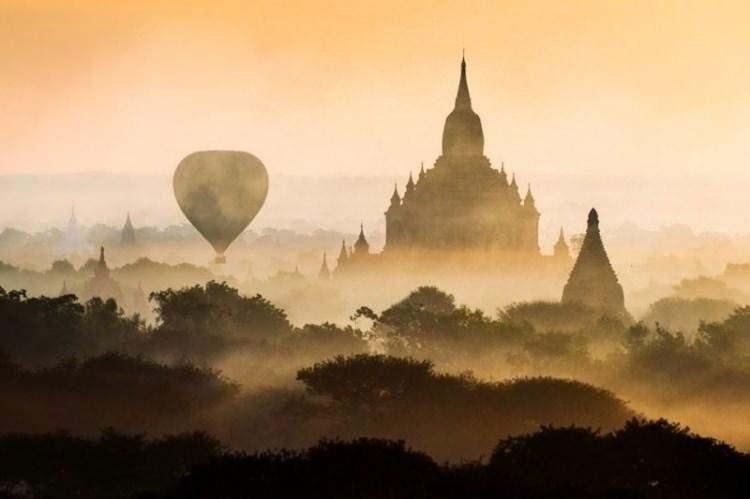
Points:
(632, 89)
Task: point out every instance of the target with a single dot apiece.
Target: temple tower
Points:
(592, 281)
(127, 237)
(325, 273)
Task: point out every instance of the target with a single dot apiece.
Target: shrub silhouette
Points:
(405, 399)
(84, 396)
(114, 465)
(645, 459)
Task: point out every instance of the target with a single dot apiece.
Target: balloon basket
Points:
(220, 259)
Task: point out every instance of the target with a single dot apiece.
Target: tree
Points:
(366, 381)
(218, 309)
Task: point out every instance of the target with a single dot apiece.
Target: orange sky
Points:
(618, 89)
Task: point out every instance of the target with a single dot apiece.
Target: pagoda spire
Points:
(361, 246)
(561, 249)
(395, 198)
(463, 99)
(325, 272)
(343, 254)
(529, 197)
(516, 196)
(410, 184)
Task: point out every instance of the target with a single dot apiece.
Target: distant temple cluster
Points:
(463, 204)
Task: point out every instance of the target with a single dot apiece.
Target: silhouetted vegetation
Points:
(42, 330)
(405, 399)
(109, 390)
(115, 464)
(647, 459)
(644, 459)
(681, 314)
(85, 366)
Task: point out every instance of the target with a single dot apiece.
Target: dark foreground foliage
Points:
(451, 417)
(114, 465)
(113, 389)
(644, 459)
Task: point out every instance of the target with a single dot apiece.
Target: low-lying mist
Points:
(424, 369)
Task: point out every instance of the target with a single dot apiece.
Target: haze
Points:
(647, 92)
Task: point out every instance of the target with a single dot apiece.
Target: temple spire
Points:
(325, 272)
(361, 246)
(395, 198)
(410, 184)
(463, 99)
(343, 255)
(561, 250)
(529, 197)
(593, 220)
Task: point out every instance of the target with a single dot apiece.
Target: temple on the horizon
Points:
(593, 281)
(461, 203)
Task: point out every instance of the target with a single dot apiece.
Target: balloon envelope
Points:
(220, 192)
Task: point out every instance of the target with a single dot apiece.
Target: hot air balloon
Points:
(220, 193)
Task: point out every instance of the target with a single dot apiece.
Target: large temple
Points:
(462, 202)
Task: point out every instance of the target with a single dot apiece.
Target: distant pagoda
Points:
(325, 272)
(592, 281)
(127, 237)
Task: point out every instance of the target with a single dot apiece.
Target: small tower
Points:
(127, 237)
(592, 281)
(528, 201)
(325, 272)
(395, 198)
(561, 250)
(361, 247)
(503, 175)
(409, 187)
(530, 223)
(421, 172)
(514, 190)
(102, 284)
(73, 221)
(393, 220)
(343, 255)
(64, 291)
(101, 271)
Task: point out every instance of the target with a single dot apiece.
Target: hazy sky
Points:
(647, 90)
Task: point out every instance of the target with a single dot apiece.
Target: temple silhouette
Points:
(127, 235)
(592, 281)
(460, 204)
